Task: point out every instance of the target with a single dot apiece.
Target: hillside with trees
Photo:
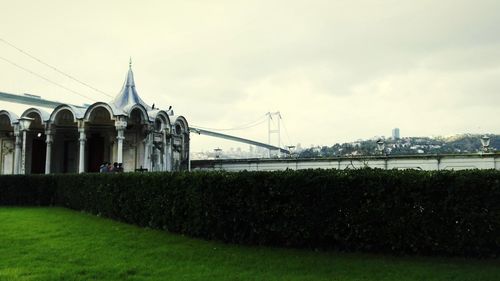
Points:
(466, 143)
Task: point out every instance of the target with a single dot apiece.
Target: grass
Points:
(60, 244)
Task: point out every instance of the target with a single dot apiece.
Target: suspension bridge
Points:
(272, 128)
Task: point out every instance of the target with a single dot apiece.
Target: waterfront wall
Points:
(418, 162)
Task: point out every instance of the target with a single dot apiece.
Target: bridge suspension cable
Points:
(248, 125)
(286, 132)
(280, 147)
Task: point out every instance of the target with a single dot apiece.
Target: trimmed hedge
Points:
(19, 190)
(407, 212)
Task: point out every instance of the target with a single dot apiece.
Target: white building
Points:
(41, 136)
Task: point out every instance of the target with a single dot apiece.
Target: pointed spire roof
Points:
(128, 96)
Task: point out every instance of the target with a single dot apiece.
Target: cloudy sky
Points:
(336, 70)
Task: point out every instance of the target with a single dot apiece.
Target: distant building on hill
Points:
(395, 134)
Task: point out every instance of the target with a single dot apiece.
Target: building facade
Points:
(40, 136)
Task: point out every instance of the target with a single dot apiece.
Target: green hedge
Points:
(408, 212)
(30, 190)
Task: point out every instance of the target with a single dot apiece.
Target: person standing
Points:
(104, 167)
(115, 168)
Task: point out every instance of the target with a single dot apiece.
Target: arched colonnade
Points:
(74, 139)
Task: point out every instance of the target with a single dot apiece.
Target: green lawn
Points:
(60, 244)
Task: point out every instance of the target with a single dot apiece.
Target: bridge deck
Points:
(238, 139)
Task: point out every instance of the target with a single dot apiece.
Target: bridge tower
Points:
(273, 129)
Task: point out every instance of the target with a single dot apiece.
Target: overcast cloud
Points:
(337, 70)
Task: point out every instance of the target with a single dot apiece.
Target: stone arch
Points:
(182, 122)
(100, 136)
(35, 141)
(5, 123)
(98, 106)
(65, 114)
(11, 116)
(138, 108)
(136, 147)
(8, 120)
(162, 117)
(40, 118)
(181, 144)
(137, 117)
(161, 145)
(64, 129)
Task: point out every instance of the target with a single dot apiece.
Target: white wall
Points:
(441, 162)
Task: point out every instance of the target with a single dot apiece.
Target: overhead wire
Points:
(254, 123)
(231, 129)
(54, 68)
(46, 79)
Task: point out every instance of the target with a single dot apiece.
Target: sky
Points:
(337, 71)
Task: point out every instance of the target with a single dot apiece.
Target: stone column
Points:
(17, 151)
(165, 152)
(23, 154)
(158, 160)
(154, 158)
(146, 156)
(151, 151)
(167, 149)
(147, 151)
(82, 139)
(185, 143)
(120, 126)
(48, 140)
